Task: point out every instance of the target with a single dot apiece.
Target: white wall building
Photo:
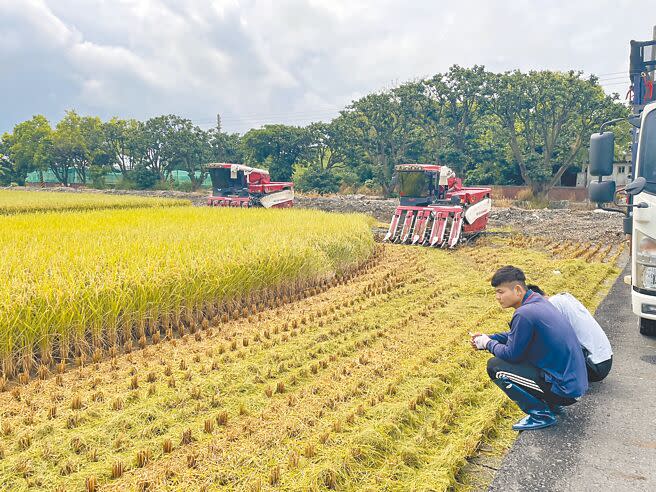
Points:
(621, 173)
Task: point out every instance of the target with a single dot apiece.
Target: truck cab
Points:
(640, 206)
(639, 209)
(643, 244)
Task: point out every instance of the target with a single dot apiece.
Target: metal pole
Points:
(653, 52)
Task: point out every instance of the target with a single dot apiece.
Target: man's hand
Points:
(480, 342)
(472, 336)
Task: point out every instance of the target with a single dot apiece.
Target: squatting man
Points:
(543, 363)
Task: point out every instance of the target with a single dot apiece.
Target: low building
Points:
(621, 174)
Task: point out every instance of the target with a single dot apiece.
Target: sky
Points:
(285, 61)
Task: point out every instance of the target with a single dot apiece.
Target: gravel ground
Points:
(576, 225)
(380, 208)
(557, 224)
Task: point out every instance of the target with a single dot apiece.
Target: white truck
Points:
(640, 220)
(640, 206)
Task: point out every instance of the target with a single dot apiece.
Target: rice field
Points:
(365, 382)
(78, 286)
(20, 202)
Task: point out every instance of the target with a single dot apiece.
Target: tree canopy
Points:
(491, 128)
(547, 118)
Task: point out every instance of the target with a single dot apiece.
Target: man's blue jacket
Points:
(541, 336)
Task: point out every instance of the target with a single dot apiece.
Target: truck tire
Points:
(647, 327)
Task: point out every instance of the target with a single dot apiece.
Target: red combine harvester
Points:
(435, 209)
(236, 185)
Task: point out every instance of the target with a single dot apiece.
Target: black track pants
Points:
(529, 378)
(597, 372)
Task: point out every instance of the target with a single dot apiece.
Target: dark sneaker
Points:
(536, 420)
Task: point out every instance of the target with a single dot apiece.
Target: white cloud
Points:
(291, 61)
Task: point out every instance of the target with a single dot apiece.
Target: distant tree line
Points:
(491, 128)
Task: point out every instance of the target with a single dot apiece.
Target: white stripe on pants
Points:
(529, 383)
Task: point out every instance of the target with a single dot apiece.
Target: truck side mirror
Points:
(601, 191)
(602, 153)
(636, 186)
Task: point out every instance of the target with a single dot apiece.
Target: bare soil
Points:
(556, 224)
(574, 225)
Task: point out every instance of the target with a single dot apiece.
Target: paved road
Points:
(607, 441)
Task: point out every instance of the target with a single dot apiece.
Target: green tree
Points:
(142, 177)
(169, 142)
(452, 118)
(324, 146)
(124, 144)
(7, 166)
(315, 171)
(158, 153)
(96, 160)
(546, 119)
(352, 162)
(490, 162)
(377, 124)
(66, 148)
(27, 148)
(77, 143)
(280, 146)
(225, 147)
(193, 151)
(316, 179)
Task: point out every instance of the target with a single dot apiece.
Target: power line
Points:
(280, 115)
(301, 112)
(609, 73)
(253, 118)
(265, 121)
(616, 83)
(290, 114)
(613, 78)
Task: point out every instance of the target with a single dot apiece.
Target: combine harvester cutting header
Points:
(236, 185)
(435, 209)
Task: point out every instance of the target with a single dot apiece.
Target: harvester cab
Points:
(236, 185)
(435, 209)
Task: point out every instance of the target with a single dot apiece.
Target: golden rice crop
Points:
(18, 202)
(377, 390)
(75, 283)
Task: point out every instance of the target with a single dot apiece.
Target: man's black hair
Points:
(506, 274)
(535, 288)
